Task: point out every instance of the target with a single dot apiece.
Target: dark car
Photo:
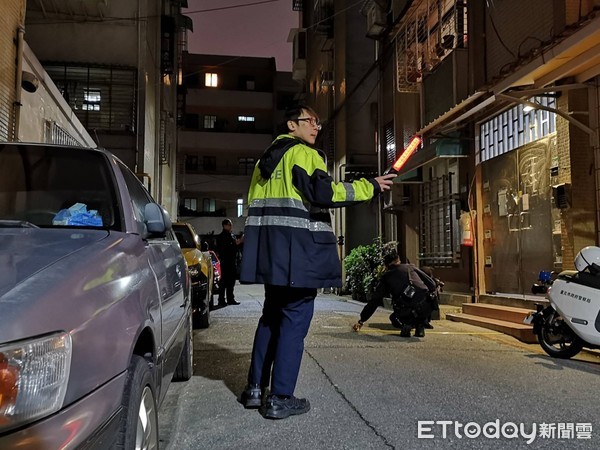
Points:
(95, 311)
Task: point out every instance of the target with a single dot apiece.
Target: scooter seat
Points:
(584, 278)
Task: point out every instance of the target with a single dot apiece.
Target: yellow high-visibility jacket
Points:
(288, 239)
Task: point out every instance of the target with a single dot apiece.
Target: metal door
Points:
(517, 218)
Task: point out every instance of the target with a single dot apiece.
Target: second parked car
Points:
(201, 272)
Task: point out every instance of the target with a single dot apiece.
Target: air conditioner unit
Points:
(376, 21)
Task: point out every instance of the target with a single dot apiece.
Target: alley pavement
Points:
(368, 390)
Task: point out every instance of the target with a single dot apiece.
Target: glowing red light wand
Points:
(412, 147)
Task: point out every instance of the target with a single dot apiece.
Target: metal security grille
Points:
(390, 143)
(57, 135)
(516, 127)
(440, 237)
(103, 98)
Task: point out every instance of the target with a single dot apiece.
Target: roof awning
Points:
(185, 22)
(442, 148)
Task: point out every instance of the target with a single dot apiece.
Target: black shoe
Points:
(420, 331)
(251, 398)
(405, 332)
(222, 304)
(233, 302)
(280, 408)
(429, 326)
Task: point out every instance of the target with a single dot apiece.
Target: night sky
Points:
(254, 30)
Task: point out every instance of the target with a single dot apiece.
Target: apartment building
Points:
(231, 107)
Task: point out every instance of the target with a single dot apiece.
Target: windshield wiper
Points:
(16, 224)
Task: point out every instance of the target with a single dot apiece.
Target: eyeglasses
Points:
(311, 120)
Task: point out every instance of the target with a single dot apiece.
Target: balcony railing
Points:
(427, 34)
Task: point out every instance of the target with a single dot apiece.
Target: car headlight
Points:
(194, 271)
(33, 378)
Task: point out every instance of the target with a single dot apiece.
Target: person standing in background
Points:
(227, 247)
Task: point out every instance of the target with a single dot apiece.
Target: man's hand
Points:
(357, 326)
(385, 181)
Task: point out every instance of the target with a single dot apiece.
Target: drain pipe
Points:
(18, 80)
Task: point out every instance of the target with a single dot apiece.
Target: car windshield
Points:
(184, 236)
(52, 186)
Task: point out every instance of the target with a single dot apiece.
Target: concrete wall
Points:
(44, 105)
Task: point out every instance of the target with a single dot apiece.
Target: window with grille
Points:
(211, 80)
(210, 122)
(103, 98)
(91, 100)
(209, 205)
(390, 143)
(440, 211)
(191, 163)
(246, 165)
(190, 203)
(516, 127)
(209, 163)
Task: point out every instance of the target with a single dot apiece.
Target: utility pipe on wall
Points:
(18, 80)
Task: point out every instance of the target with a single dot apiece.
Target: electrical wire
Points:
(87, 19)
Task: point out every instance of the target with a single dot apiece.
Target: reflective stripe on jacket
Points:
(288, 239)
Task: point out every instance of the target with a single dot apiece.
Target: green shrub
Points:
(364, 267)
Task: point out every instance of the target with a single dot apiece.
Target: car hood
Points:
(27, 251)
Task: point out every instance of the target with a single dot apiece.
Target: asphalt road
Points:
(459, 387)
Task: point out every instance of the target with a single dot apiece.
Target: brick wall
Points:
(515, 27)
(576, 166)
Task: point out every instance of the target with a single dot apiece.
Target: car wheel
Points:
(185, 366)
(202, 319)
(139, 417)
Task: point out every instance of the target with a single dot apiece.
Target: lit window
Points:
(240, 207)
(210, 121)
(91, 100)
(245, 118)
(209, 205)
(211, 80)
(190, 203)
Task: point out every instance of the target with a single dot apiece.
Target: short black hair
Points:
(390, 257)
(293, 112)
(226, 222)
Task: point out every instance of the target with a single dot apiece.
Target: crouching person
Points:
(409, 288)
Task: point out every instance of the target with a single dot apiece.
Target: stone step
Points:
(498, 312)
(520, 331)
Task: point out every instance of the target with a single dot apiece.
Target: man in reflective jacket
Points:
(290, 247)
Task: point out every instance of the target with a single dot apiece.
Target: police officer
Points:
(290, 247)
(409, 288)
(227, 247)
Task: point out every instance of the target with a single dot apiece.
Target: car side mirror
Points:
(157, 220)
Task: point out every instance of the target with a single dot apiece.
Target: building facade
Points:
(231, 109)
(504, 96)
(336, 68)
(116, 66)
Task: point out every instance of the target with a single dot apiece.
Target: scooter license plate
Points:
(529, 319)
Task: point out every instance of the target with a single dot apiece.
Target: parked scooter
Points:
(572, 320)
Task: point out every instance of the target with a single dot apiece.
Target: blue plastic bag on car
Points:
(78, 215)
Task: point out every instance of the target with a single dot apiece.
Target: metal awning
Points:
(442, 148)
(185, 22)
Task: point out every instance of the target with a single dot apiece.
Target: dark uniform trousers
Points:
(286, 317)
